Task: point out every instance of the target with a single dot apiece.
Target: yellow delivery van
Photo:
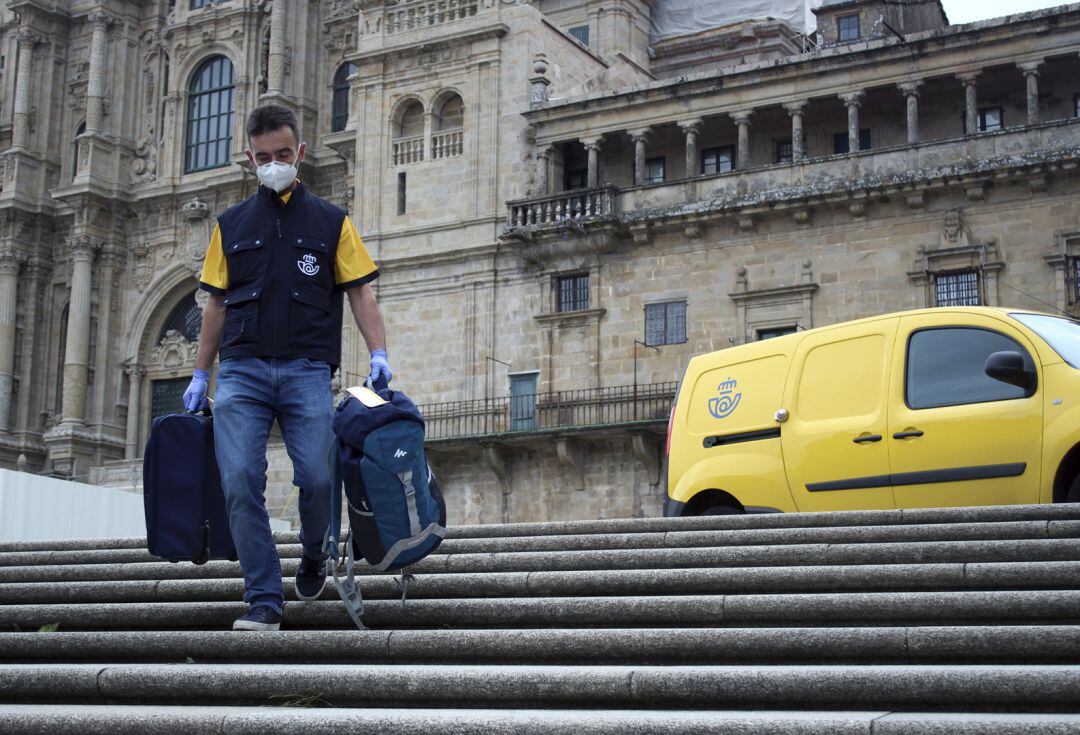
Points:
(929, 408)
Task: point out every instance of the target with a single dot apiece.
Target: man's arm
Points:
(365, 310)
(213, 324)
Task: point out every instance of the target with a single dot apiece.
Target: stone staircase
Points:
(874, 622)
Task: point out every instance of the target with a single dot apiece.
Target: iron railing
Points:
(568, 409)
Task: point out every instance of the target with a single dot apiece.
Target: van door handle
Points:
(867, 438)
(907, 434)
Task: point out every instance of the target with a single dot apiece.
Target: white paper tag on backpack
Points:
(368, 397)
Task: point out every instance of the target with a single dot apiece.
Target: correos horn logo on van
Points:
(723, 405)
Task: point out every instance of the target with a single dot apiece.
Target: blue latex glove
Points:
(195, 395)
(380, 367)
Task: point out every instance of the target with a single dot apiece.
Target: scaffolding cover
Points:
(680, 17)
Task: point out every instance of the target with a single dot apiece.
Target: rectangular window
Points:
(774, 332)
(572, 293)
(576, 179)
(654, 170)
(782, 154)
(717, 160)
(581, 33)
(665, 324)
(991, 118)
(840, 141)
(1072, 280)
(196, 4)
(401, 193)
(958, 288)
(847, 28)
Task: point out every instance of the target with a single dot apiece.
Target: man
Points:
(275, 269)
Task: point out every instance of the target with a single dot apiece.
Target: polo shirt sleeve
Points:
(353, 266)
(215, 273)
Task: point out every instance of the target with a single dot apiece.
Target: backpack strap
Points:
(410, 501)
(347, 589)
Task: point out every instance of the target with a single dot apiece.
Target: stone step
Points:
(1027, 644)
(674, 539)
(902, 687)
(931, 552)
(195, 720)
(747, 580)
(915, 516)
(783, 610)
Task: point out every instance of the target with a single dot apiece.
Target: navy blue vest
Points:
(281, 301)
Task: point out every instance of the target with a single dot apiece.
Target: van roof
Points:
(786, 344)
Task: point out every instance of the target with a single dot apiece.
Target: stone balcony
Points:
(420, 23)
(1028, 153)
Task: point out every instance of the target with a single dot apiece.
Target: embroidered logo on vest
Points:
(308, 266)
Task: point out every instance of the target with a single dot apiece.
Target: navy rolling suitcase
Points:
(184, 503)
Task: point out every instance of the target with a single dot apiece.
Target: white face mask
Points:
(276, 175)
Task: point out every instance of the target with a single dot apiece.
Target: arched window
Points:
(340, 104)
(408, 133)
(448, 138)
(211, 97)
(185, 318)
(75, 155)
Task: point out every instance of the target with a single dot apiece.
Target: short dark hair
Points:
(268, 118)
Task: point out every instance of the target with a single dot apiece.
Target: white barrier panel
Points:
(34, 507)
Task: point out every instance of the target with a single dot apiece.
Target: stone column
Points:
(37, 278)
(592, 147)
(853, 101)
(275, 72)
(20, 123)
(10, 262)
(639, 136)
(95, 83)
(77, 348)
(795, 109)
(690, 129)
(110, 259)
(131, 442)
(971, 101)
(428, 153)
(543, 169)
(742, 119)
(911, 94)
(1031, 76)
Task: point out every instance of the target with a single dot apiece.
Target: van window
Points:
(1061, 334)
(842, 379)
(945, 367)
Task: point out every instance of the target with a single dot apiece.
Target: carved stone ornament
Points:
(194, 210)
(143, 267)
(173, 351)
(953, 233)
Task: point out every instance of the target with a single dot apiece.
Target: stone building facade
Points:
(564, 205)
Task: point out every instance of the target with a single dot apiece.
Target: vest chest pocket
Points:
(241, 316)
(245, 260)
(312, 259)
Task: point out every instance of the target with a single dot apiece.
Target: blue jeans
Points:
(251, 392)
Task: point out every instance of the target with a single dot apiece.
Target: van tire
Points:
(720, 510)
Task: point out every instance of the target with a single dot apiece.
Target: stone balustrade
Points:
(410, 16)
(568, 207)
(408, 150)
(447, 143)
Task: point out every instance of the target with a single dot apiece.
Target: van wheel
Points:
(1073, 496)
(720, 510)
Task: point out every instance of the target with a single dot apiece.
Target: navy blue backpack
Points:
(397, 515)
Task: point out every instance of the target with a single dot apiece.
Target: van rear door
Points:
(957, 436)
(835, 452)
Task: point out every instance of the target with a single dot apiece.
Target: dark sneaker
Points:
(310, 578)
(260, 617)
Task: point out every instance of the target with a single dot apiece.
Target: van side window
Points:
(945, 367)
